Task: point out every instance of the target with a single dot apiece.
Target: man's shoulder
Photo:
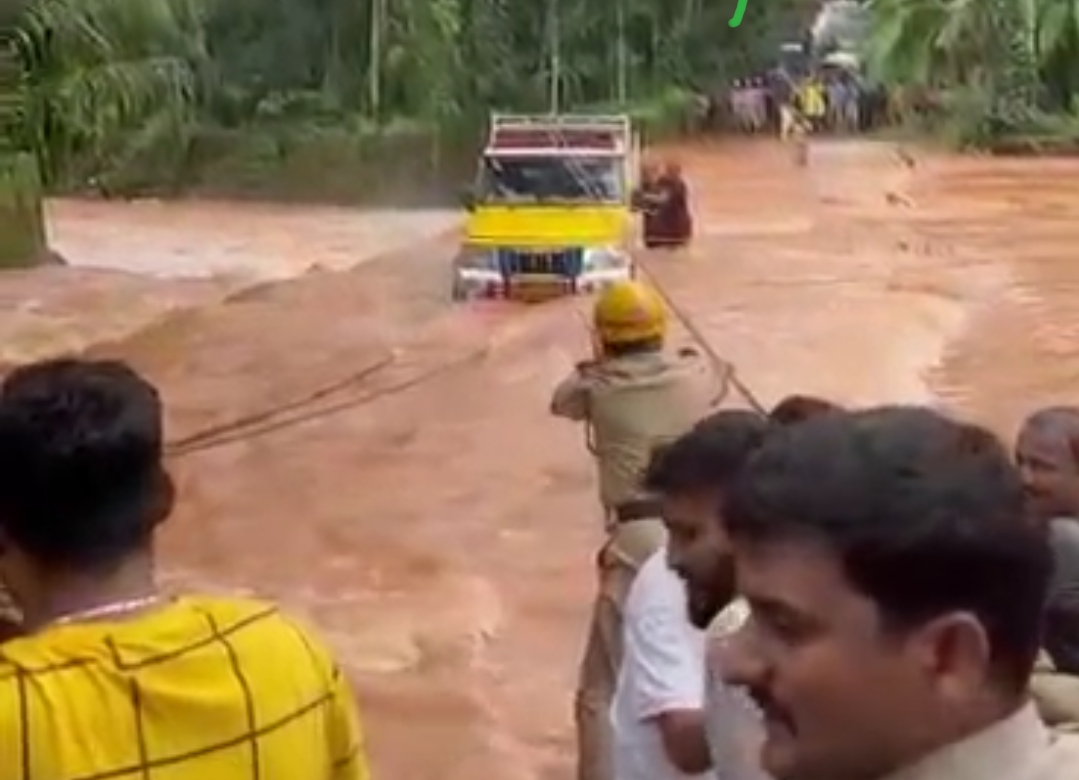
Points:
(655, 587)
(232, 614)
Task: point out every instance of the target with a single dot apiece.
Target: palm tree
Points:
(109, 78)
(1011, 51)
(22, 223)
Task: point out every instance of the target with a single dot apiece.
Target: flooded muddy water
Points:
(382, 463)
(119, 254)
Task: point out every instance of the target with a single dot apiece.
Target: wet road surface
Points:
(397, 480)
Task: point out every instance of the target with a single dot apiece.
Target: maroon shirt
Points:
(669, 222)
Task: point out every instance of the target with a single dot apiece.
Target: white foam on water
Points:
(249, 242)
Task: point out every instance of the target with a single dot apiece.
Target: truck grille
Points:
(561, 262)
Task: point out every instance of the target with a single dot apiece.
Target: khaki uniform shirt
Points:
(1056, 694)
(1019, 748)
(631, 404)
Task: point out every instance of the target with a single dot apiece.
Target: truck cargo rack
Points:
(609, 133)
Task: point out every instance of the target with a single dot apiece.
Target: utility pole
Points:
(554, 33)
(620, 22)
(374, 65)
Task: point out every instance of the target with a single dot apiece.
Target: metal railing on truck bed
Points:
(611, 133)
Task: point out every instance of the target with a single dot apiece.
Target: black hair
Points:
(925, 514)
(705, 458)
(82, 481)
(798, 408)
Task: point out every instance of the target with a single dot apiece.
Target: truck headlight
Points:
(605, 259)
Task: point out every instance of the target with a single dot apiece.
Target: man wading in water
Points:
(664, 200)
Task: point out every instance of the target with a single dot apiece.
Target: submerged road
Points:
(397, 480)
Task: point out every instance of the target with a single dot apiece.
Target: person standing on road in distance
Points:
(111, 677)
(895, 590)
(1047, 453)
(690, 478)
(631, 397)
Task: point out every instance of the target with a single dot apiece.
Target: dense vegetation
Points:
(136, 92)
(325, 98)
(1005, 69)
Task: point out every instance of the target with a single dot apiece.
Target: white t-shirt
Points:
(662, 665)
(732, 720)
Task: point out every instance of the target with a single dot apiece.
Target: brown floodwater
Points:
(398, 481)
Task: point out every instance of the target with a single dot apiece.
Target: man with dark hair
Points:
(690, 477)
(895, 590)
(1047, 454)
(111, 677)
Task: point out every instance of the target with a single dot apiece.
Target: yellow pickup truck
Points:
(550, 213)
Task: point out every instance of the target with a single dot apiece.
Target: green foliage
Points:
(128, 92)
(1003, 66)
(108, 79)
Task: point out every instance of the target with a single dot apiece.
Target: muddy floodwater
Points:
(381, 462)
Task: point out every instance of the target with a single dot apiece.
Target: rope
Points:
(724, 368)
(272, 420)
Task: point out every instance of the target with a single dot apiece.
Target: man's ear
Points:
(954, 651)
(165, 492)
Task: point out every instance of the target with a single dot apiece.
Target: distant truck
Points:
(550, 211)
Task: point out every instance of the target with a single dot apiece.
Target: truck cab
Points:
(550, 213)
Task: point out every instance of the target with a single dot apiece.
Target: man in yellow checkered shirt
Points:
(110, 678)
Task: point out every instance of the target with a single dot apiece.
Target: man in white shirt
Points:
(657, 713)
(689, 477)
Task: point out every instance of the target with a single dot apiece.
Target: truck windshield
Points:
(542, 179)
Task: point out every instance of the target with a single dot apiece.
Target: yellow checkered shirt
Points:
(202, 689)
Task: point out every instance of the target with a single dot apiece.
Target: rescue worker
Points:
(668, 223)
(631, 396)
(646, 189)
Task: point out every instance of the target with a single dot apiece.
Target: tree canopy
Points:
(109, 78)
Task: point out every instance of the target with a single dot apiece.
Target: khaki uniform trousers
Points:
(628, 546)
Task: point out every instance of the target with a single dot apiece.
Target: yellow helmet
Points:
(628, 311)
